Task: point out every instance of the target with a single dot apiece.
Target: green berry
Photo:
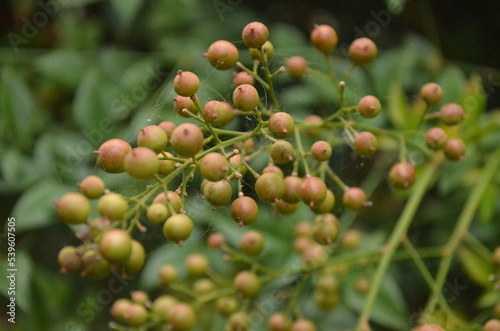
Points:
(73, 208)
(111, 155)
(112, 206)
(255, 34)
(184, 103)
(181, 317)
(238, 322)
(351, 239)
(69, 259)
(313, 191)
(326, 301)
(178, 228)
(226, 305)
(167, 274)
(281, 125)
(432, 93)
(365, 144)
(402, 175)
(252, 243)
(142, 163)
(244, 211)
(436, 138)
(270, 187)
(94, 265)
(354, 198)
(451, 114)
(166, 166)
(116, 246)
(326, 205)
(282, 152)
(326, 229)
(140, 297)
(137, 258)
(214, 167)
(92, 187)
(161, 306)
(369, 106)
(455, 149)
(187, 140)
(292, 189)
(136, 315)
(218, 193)
(157, 213)
(296, 66)
(196, 264)
(152, 137)
(186, 83)
(321, 151)
(246, 97)
(286, 208)
(229, 113)
(303, 229)
(267, 49)
(324, 38)
(173, 198)
(362, 51)
(247, 284)
(203, 286)
(222, 55)
(362, 285)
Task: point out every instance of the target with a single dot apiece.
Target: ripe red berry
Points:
(354, 198)
(270, 187)
(436, 138)
(116, 246)
(451, 114)
(142, 163)
(218, 193)
(69, 259)
(281, 125)
(402, 175)
(292, 189)
(181, 317)
(196, 264)
(296, 66)
(137, 258)
(455, 149)
(313, 191)
(214, 167)
(184, 103)
(369, 106)
(282, 152)
(112, 206)
(252, 243)
(73, 208)
(324, 38)
(186, 83)
(247, 284)
(92, 187)
(187, 140)
(321, 150)
(362, 51)
(255, 34)
(244, 211)
(432, 93)
(178, 228)
(243, 77)
(214, 112)
(246, 97)
(111, 155)
(222, 55)
(365, 144)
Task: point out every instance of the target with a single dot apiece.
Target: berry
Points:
(270, 187)
(119, 309)
(431, 327)
(237, 163)
(214, 167)
(362, 51)
(402, 175)
(161, 306)
(313, 191)
(244, 211)
(111, 155)
(252, 243)
(216, 240)
(351, 239)
(292, 189)
(314, 253)
(167, 274)
(238, 322)
(273, 169)
(315, 122)
(303, 325)
(296, 66)
(369, 106)
(153, 137)
(281, 125)
(267, 49)
(286, 208)
(168, 127)
(455, 149)
(326, 205)
(136, 259)
(181, 103)
(181, 317)
(362, 285)
(282, 152)
(92, 187)
(354, 198)
(226, 305)
(157, 213)
(246, 284)
(173, 198)
(178, 228)
(321, 150)
(142, 163)
(303, 229)
(196, 264)
(73, 208)
(116, 246)
(326, 301)
(186, 83)
(94, 265)
(451, 114)
(187, 140)
(136, 315)
(435, 138)
(365, 144)
(492, 325)
(279, 322)
(328, 284)
(69, 259)
(222, 55)
(166, 166)
(248, 145)
(432, 93)
(203, 286)
(243, 77)
(112, 206)
(324, 38)
(214, 112)
(218, 193)
(255, 34)
(246, 97)
(326, 229)
(229, 114)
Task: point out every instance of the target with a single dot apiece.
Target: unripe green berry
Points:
(273, 169)
(137, 258)
(281, 125)
(116, 246)
(167, 274)
(313, 191)
(432, 93)
(73, 208)
(218, 193)
(246, 97)
(282, 152)
(161, 306)
(142, 163)
(214, 167)
(184, 103)
(69, 259)
(362, 285)
(267, 49)
(354, 198)
(168, 127)
(136, 315)
(365, 144)
(157, 213)
(187, 140)
(451, 114)
(203, 286)
(196, 264)
(252, 243)
(172, 198)
(92, 187)
(111, 155)
(296, 66)
(152, 137)
(324, 38)
(292, 189)
(326, 301)
(402, 175)
(178, 228)
(369, 106)
(321, 150)
(119, 309)
(226, 305)
(362, 51)
(326, 229)
(328, 284)
(255, 34)
(247, 284)
(351, 239)
(270, 187)
(181, 317)
(94, 265)
(214, 112)
(279, 322)
(112, 206)
(166, 166)
(244, 211)
(455, 149)
(186, 83)
(326, 205)
(242, 77)
(436, 138)
(286, 208)
(303, 325)
(222, 55)
(238, 322)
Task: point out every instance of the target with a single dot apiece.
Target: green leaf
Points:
(477, 268)
(474, 101)
(17, 171)
(488, 204)
(35, 208)
(399, 109)
(452, 81)
(75, 66)
(126, 11)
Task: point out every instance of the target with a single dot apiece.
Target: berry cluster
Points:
(224, 160)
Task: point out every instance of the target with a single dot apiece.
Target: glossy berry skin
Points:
(112, 206)
(187, 140)
(255, 34)
(436, 138)
(246, 284)
(369, 106)
(218, 193)
(281, 125)
(269, 187)
(92, 187)
(136, 260)
(184, 103)
(451, 114)
(181, 317)
(244, 211)
(365, 144)
(178, 228)
(214, 167)
(245, 97)
(296, 66)
(321, 150)
(455, 149)
(116, 246)
(111, 155)
(222, 55)
(252, 243)
(431, 93)
(362, 51)
(324, 38)
(73, 208)
(153, 137)
(354, 198)
(313, 191)
(402, 175)
(282, 152)
(243, 77)
(292, 189)
(142, 163)
(186, 83)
